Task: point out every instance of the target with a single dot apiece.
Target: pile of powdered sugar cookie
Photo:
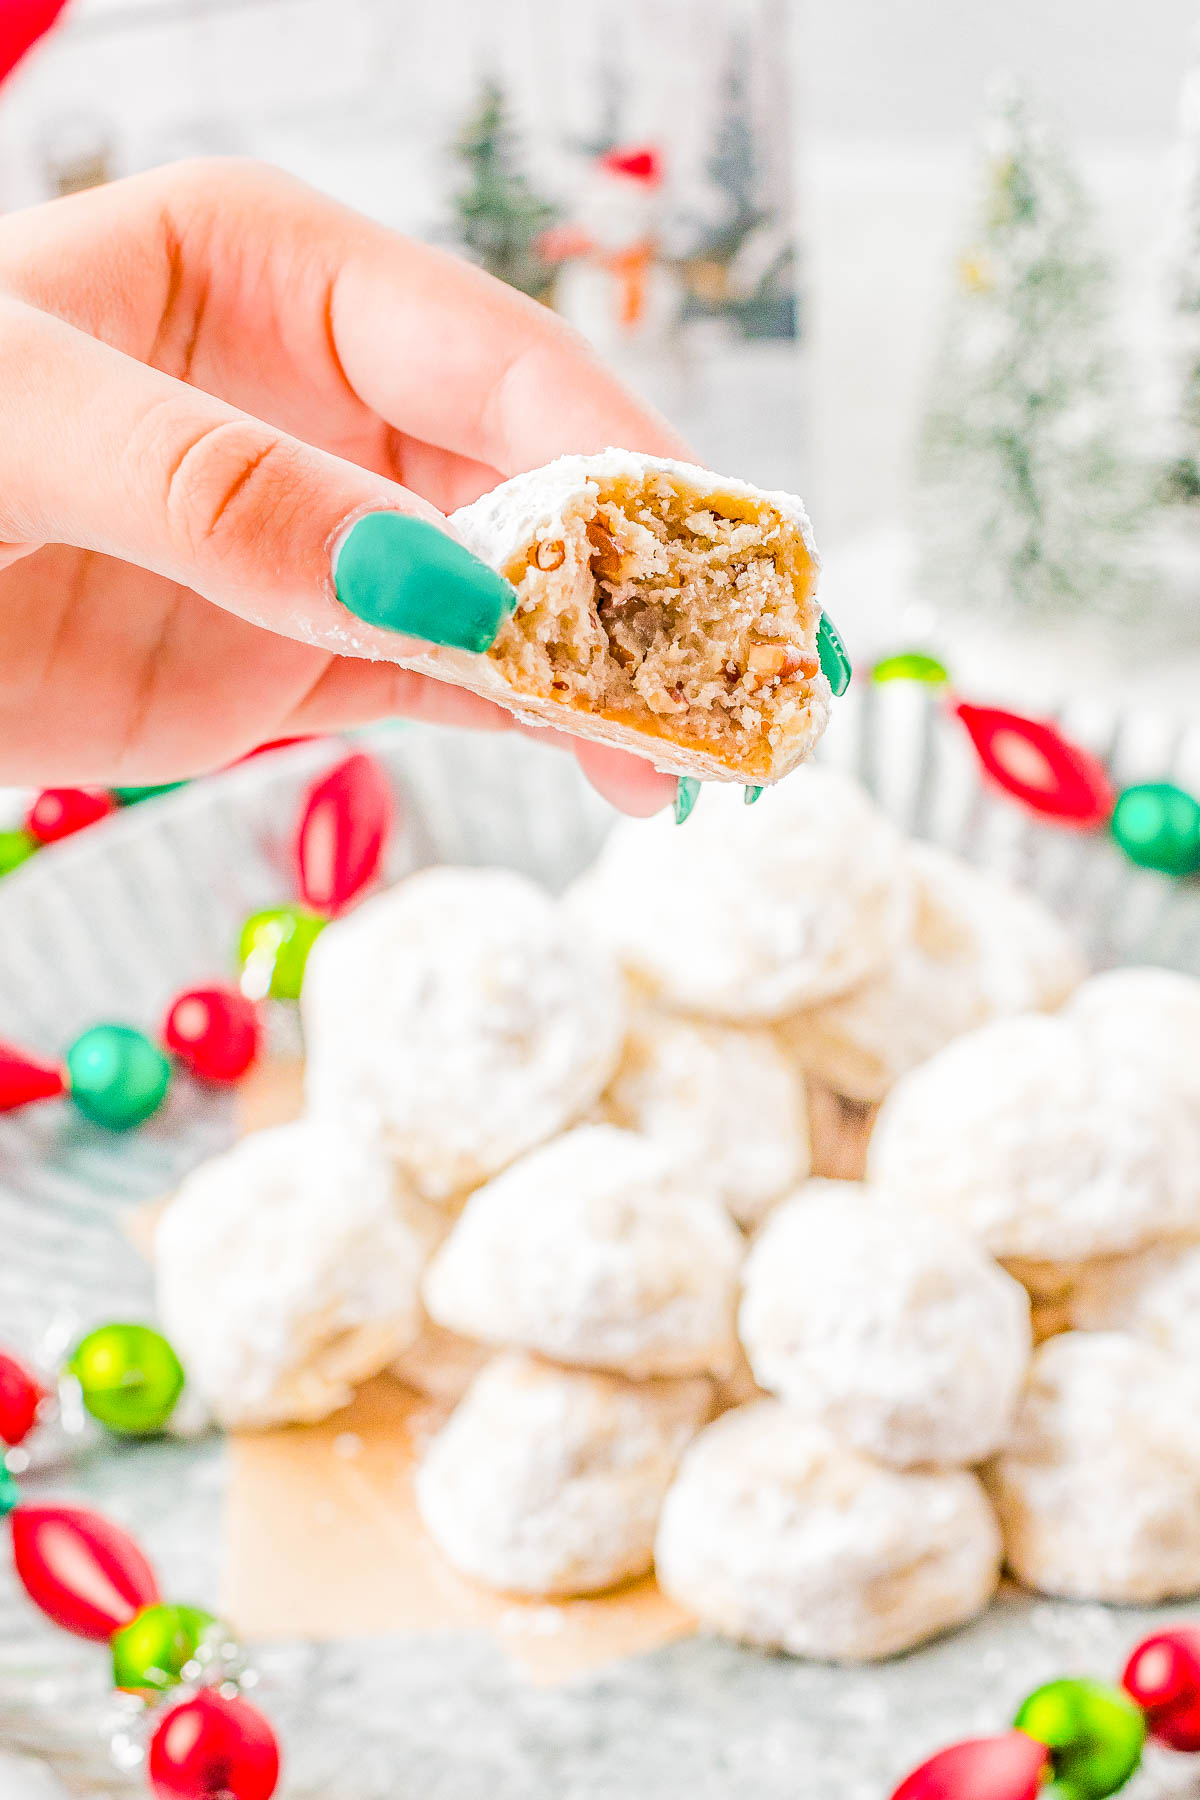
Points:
(556, 1171)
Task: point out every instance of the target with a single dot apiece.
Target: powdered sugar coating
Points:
(1155, 1294)
(774, 1533)
(550, 1481)
(890, 1326)
(1030, 1137)
(748, 914)
(979, 949)
(1150, 1017)
(288, 1271)
(726, 1103)
(468, 1014)
(1098, 1492)
(594, 1250)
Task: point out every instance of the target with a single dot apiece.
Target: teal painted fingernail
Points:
(750, 795)
(405, 575)
(687, 792)
(835, 664)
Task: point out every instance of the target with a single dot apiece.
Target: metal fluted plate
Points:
(115, 922)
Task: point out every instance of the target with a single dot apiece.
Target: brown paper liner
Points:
(323, 1541)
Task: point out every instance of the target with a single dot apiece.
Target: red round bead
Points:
(21, 1396)
(59, 812)
(343, 834)
(23, 1078)
(993, 1768)
(1163, 1676)
(214, 1032)
(82, 1570)
(209, 1746)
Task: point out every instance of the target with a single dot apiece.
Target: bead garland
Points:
(117, 1076)
(1155, 823)
(1077, 1739)
(177, 1663)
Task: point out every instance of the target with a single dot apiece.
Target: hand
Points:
(206, 374)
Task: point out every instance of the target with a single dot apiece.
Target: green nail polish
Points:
(405, 575)
(750, 795)
(687, 792)
(835, 664)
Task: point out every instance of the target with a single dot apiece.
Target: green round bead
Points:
(16, 847)
(835, 664)
(130, 796)
(280, 939)
(116, 1076)
(129, 1376)
(10, 1493)
(911, 665)
(1158, 825)
(152, 1651)
(1094, 1733)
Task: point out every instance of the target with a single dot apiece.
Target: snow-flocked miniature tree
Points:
(1026, 497)
(499, 217)
(1183, 471)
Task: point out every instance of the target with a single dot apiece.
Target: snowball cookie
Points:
(469, 1013)
(1032, 1137)
(979, 949)
(1098, 1492)
(1155, 1294)
(550, 1481)
(889, 1325)
(1151, 1017)
(747, 915)
(726, 1102)
(594, 1249)
(288, 1271)
(775, 1533)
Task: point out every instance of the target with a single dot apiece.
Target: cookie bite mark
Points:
(681, 609)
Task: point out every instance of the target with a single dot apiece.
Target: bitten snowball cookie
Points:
(550, 1481)
(288, 1271)
(594, 1249)
(747, 915)
(727, 1103)
(1154, 1294)
(979, 949)
(468, 1013)
(1150, 1017)
(1098, 1492)
(1032, 1138)
(775, 1533)
(890, 1326)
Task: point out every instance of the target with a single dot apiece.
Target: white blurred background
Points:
(875, 105)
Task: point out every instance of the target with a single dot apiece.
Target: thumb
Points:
(101, 452)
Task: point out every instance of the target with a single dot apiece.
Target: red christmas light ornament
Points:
(212, 1746)
(82, 1570)
(1037, 765)
(61, 812)
(214, 1032)
(641, 163)
(23, 1078)
(1163, 1676)
(21, 1396)
(343, 833)
(22, 23)
(993, 1768)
